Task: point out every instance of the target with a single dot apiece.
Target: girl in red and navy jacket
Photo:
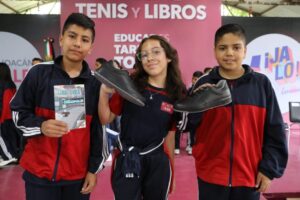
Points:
(9, 137)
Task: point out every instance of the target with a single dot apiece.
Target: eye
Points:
(221, 48)
(156, 52)
(85, 40)
(71, 36)
(141, 56)
(237, 48)
(144, 55)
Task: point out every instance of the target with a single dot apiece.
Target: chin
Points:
(75, 58)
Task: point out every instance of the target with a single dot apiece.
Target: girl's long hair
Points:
(175, 87)
(5, 81)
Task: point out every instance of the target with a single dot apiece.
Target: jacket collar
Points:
(85, 71)
(215, 75)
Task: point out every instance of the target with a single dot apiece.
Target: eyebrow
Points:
(236, 44)
(152, 48)
(84, 36)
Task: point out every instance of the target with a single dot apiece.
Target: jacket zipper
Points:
(232, 139)
(57, 160)
(59, 146)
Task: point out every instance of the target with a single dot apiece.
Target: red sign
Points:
(120, 26)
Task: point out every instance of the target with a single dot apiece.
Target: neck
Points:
(159, 82)
(229, 74)
(73, 69)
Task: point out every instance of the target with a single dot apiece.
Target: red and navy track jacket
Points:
(68, 157)
(7, 91)
(235, 141)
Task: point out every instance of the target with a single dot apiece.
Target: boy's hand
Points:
(203, 86)
(262, 182)
(89, 183)
(54, 128)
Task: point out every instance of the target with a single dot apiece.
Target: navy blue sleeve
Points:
(275, 152)
(187, 122)
(23, 105)
(99, 150)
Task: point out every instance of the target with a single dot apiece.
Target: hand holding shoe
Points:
(107, 90)
(121, 82)
(206, 96)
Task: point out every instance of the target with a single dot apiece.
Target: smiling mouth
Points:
(229, 61)
(151, 66)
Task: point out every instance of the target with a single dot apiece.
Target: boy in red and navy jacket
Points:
(61, 164)
(239, 147)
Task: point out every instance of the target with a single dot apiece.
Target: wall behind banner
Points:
(282, 63)
(21, 39)
(273, 49)
(121, 25)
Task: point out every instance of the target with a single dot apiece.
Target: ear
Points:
(169, 60)
(245, 52)
(60, 40)
(91, 48)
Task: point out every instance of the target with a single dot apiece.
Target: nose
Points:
(77, 42)
(150, 56)
(229, 51)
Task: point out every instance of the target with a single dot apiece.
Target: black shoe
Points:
(120, 80)
(205, 99)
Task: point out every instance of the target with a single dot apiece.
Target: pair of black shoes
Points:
(208, 98)
(119, 80)
(202, 100)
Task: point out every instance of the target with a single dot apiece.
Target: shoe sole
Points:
(215, 104)
(122, 92)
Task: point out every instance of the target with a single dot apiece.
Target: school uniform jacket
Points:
(68, 157)
(235, 141)
(7, 91)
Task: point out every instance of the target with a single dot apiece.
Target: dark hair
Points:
(5, 74)
(101, 60)
(207, 69)
(175, 88)
(5, 81)
(235, 29)
(197, 74)
(37, 59)
(80, 20)
(118, 64)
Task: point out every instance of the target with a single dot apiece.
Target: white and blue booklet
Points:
(70, 105)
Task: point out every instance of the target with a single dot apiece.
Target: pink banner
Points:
(120, 26)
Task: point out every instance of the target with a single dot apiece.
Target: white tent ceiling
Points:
(21, 6)
(267, 8)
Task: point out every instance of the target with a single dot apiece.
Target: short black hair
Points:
(118, 64)
(37, 59)
(101, 60)
(80, 20)
(197, 74)
(235, 29)
(207, 69)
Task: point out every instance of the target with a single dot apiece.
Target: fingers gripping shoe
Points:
(119, 80)
(205, 99)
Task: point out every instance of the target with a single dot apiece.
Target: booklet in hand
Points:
(70, 105)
